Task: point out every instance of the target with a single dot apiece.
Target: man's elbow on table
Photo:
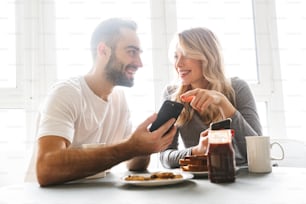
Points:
(46, 176)
(43, 174)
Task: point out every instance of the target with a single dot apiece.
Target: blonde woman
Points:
(208, 97)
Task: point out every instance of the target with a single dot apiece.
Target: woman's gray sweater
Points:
(245, 122)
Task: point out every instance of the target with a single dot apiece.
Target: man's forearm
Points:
(70, 164)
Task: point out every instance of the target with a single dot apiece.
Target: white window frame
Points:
(269, 88)
(35, 73)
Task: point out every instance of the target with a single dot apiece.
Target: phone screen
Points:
(169, 109)
(223, 124)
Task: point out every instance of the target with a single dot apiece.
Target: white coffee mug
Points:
(94, 145)
(259, 153)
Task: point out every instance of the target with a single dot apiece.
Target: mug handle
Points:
(281, 148)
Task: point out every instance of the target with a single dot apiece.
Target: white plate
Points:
(161, 182)
(203, 173)
(197, 173)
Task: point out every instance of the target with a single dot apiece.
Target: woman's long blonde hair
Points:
(202, 44)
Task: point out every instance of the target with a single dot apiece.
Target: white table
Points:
(282, 186)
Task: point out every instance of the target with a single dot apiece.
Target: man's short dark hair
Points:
(109, 32)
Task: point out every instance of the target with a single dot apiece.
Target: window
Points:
(45, 41)
(7, 45)
(12, 126)
(292, 49)
(232, 22)
(12, 145)
(73, 33)
(245, 49)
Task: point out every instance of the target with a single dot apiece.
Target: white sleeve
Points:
(59, 113)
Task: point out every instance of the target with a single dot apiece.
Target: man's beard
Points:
(115, 72)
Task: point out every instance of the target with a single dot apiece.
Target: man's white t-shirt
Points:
(73, 111)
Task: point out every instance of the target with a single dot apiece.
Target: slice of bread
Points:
(194, 163)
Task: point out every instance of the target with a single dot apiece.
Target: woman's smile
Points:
(183, 73)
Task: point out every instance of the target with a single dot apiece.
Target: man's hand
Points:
(58, 163)
(146, 142)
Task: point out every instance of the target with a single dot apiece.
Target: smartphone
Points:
(223, 124)
(168, 110)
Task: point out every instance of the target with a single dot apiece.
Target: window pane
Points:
(74, 28)
(14, 151)
(13, 130)
(232, 22)
(291, 35)
(73, 33)
(262, 112)
(7, 44)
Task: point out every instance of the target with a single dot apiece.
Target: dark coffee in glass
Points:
(221, 157)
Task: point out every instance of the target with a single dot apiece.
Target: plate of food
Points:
(194, 164)
(156, 179)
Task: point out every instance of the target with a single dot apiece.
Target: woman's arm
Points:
(245, 121)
